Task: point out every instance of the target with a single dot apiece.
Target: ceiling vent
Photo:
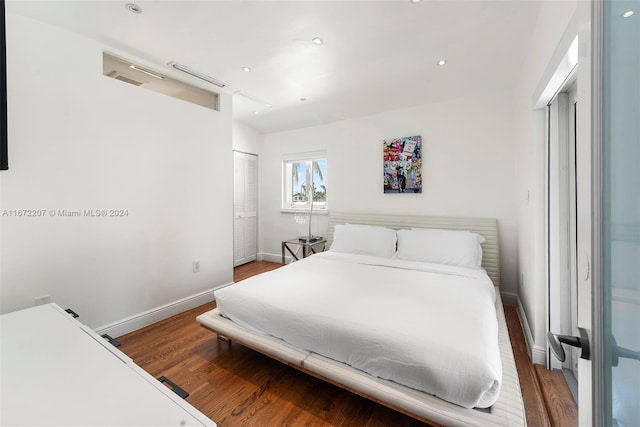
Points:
(123, 78)
(197, 74)
(147, 78)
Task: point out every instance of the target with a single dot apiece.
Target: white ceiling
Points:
(377, 55)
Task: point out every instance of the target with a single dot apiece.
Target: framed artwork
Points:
(402, 160)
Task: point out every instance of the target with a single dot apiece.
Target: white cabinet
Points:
(56, 371)
(245, 207)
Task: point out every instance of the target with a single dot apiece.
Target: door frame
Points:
(555, 99)
(573, 223)
(557, 220)
(561, 218)
(596, 413)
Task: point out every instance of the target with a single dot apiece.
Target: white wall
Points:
(246, 138)
(468, 169)
(555, 29)
(79, 140)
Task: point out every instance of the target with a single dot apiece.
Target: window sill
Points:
(316, 211)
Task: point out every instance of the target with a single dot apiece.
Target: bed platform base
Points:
(224, 339)
(507, 411)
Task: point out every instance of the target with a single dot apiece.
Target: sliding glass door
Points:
(620, 213)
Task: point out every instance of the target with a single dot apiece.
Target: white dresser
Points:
(55, 371)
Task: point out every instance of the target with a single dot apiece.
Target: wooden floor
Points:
(557, 397)
(235, 386)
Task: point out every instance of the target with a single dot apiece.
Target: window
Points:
(305, 179)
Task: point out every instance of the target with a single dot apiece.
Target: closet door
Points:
(245, 208)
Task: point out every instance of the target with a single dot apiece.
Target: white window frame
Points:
(289, 205)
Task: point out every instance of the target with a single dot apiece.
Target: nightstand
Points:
(293, 246)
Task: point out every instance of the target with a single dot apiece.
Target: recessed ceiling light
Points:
(415, 1)
(317, 40)
(628, 13)
(256, 112)
(442, 62)
(268, 105)
(247, 69)
(133, 8)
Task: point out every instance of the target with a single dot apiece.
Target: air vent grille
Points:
(116, 75)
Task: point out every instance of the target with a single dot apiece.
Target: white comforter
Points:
(428, 326)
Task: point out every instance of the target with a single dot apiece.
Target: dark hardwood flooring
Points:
(252, 268)
(235, 386)
(557, 397)
(547, 398)
(531, 393)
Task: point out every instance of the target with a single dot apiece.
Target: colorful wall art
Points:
(402, 159)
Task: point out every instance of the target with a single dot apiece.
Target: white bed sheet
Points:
(428, 326)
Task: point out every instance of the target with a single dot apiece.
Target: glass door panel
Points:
(621, 213)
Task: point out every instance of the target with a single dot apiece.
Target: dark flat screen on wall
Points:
(4, 162)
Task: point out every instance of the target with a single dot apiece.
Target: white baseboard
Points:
(538, 354)
(137, 321)
(509, 298)
(262, 256)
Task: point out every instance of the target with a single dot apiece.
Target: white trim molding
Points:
(537, 354)
(146, 318)
(509, 298)
(263, 256)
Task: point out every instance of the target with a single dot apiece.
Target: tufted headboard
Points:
(486, 227)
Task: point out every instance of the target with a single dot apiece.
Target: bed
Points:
(394, 312)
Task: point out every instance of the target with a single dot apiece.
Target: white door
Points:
(608, 218)
(586, 239)
(245, 206)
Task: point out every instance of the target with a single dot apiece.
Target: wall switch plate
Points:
(196, 266)
(43, 300)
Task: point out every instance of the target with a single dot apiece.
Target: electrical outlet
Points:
(196, 266)
(43, 300)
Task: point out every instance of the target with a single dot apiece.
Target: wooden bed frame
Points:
(508, 409)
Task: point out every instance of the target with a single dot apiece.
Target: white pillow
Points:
(461, 248)
(364, 240)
